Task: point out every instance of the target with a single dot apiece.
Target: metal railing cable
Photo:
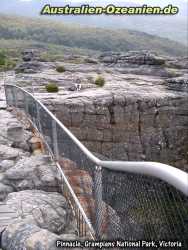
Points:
(129, 200)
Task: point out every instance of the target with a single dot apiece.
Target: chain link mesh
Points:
(118, 204)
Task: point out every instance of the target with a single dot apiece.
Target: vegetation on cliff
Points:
(75, 36)
(5, 62)
(52, 88)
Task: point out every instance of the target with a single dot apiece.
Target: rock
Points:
(183, 80)
(27, 236)
(177, 83)
(28, 55)
(128, 118)
(8, 153)
(133, 57)
(72, 88)
(29, 67)
(47, 210)
(18, 136)
(137, 114)
(83, 186)
(15, 132)
(178, 63)
(91, 60)
(33, 173)
(109, 59)
(36, 143)
(38, 151)
(4, 191)
(6, 164)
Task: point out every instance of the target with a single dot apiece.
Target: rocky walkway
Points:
(36, 213)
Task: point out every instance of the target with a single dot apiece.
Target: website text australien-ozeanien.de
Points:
(109, 10)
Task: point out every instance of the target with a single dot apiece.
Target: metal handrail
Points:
(171, 175)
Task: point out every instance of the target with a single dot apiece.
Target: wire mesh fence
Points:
(118, 205)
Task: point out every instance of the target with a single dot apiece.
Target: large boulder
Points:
(18, 137)
(47, 210)
(35, 172)
(4, 191)
(28, 55)
(31, 237)
(28, 67)
(5, 165)
(9, 153)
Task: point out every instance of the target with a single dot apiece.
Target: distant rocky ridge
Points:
(132, 57)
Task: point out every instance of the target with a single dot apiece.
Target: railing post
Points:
(6, 95)
(98, 201)
(26, 104)
(55, 144)
(13, 97)
(38, 118)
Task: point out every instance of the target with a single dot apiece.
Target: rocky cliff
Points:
(139, 114)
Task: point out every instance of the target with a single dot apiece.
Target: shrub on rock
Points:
(60, 69)
(100, 81)
(2, 58)
(52, 88)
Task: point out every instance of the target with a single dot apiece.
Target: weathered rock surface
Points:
(133, 57)
(38, 218)
(6, 164)
(12, 133)
(47, 210)
(35, 172)
(30, 64)
(29, 55)
(139, 114)
(4, 191)
(29, 67)
(28, 236)
(9, 153)
(145, 123)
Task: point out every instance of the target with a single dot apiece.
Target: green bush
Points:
(60, 69)
(52, 88)
(2, 58)
(100, 81)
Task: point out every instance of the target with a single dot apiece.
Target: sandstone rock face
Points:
(147, 123)
(82, 182)
(4, 191)
(22, 235)
(5, 165)
(139, 114)
(132, 57)
(13, 134)
(29, 67)
(49, 211)
(32, 237)
(29, 55)
(30, 63)
(8, 153)
(34, 172)
(36, 218)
